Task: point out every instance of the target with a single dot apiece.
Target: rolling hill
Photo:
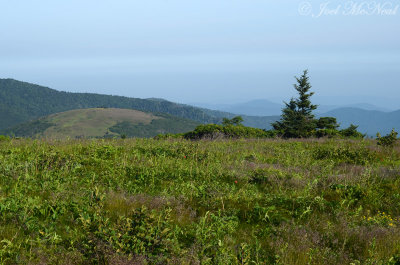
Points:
(101, 123)
(21, 102)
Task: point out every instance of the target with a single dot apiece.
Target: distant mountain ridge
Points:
(370, 118)
(258, 107)
(21, 102)
(368, 121)
(264, 107)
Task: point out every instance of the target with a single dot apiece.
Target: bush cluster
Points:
(388, 140)
(215, 131)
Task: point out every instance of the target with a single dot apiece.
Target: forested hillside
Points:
(21, 101)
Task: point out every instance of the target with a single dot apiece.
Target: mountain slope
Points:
(101, 122)
(369, 121)
(22, 102)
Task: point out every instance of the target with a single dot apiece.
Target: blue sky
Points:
(215, 51)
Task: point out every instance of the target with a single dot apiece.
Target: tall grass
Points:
(143, 201)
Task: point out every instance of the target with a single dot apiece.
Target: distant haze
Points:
(216, 52)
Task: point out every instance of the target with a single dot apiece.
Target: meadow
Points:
(174, 201)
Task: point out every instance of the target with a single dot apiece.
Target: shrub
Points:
(360, 156)
(327, 133)
(352, 132)
(387, 140)
(4, 138)
(234, 121)
(327, 123)
(213, 131)
(168, 136)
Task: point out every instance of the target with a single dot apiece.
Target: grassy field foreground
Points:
(204, 202)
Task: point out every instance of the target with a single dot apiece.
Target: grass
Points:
(145, 201)
(101, 123)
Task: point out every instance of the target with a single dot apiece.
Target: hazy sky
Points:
(206, 50)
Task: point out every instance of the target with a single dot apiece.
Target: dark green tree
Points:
(352, 132)
(329, 123)
(297, 119)
(234, 121)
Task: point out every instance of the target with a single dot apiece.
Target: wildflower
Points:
(235, 181)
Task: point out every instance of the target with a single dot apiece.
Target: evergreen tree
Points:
(329, 123)
(297, 119)
(237, 121)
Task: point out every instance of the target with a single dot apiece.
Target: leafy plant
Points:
(387, 140)
(234, 121)
(351, 132)
(213, 131)
(173, 201)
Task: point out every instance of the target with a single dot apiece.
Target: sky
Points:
(206, 51)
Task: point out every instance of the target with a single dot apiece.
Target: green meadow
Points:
(173, 201)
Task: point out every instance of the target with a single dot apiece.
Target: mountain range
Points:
(21, 103)
(265, 107)
(368, 121)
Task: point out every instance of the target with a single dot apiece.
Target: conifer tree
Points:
(297, 119)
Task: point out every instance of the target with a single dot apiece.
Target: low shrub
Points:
(327, 133)
(361, 156)
(387, 140)
(351, 132)
(213, 131)
(4, 138)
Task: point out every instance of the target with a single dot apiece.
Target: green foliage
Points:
(238, 120)
(166, 125)
(328, 129)
(172, 201)
(21, 102)
(297, 119)
(328, 123)
(345, 154)
(214, 131)
(101, 123)
(30, 129)
(4, 138)
(387, 140)
(327, 133)
(351, 132)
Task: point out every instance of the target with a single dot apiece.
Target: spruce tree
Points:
(297, 119)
